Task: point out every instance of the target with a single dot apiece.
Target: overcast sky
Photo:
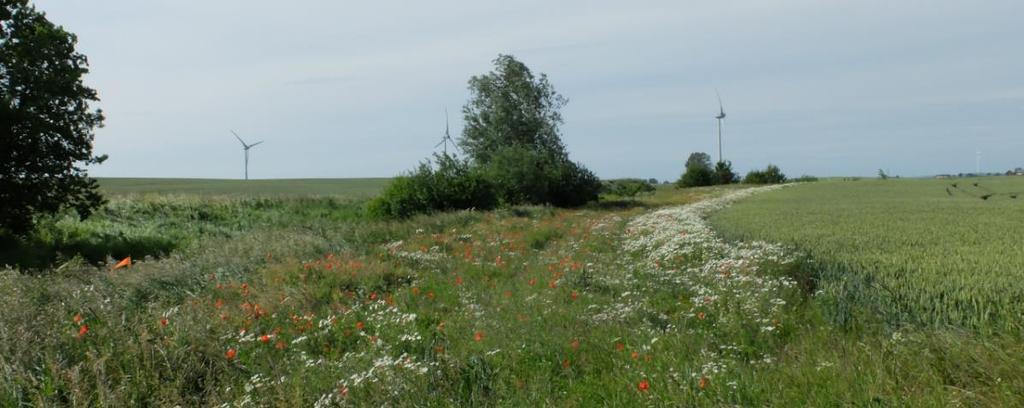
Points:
(358, 89)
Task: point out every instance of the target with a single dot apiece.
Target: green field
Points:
(928, 252)
(356, 187)
(299, 299)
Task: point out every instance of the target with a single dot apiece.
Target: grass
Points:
(350, 188)
(291, 300)
(925, 252)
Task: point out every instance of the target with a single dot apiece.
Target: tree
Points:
(724, 173)
(511, 131)
(698, 171)
(46, 120)
(511, 107)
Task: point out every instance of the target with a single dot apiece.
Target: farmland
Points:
(909, 249)
(301, 300)
(352, 188)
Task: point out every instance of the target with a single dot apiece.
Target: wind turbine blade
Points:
(240, 139)
(439, 144)
(720, 109)
(254, 144)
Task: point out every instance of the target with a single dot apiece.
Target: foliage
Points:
(698, 171)
(629, 188)
(453, 185)
(510, 107)
(770, 175)
(724, 173)
(46, 121)
(515, 154)
(805, 179)
(698, 159)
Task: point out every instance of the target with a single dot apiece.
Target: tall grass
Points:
(290, 301)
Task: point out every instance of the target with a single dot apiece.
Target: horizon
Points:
(820, 89)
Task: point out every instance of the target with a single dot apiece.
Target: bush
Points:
(454, 185)
(526, 176)
(696, 176)
(724, 173)
(770, 175)
(805, 179)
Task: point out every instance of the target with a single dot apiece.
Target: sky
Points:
(358, 89)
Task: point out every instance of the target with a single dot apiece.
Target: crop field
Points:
(300, 300)
(926, 252)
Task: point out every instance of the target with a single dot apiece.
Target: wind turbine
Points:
(447, 136)
(246, 147)
(719, 116)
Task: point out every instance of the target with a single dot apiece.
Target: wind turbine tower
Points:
(720, 116)
(977, 161)
(447, 136)
(246, 147)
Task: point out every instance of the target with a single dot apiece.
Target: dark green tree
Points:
(698, 171)
(698, 159)
(509, 106)
(46, 120)
(724, 173)
(511, 131)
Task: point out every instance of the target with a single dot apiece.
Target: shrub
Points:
(770, 175)
(805, 179)
(527, 176)
(696, 176)
(453, 185)
(724, 173)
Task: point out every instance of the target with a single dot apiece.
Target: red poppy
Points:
(574, 295)
(700, 315)
(565, 364)
(265, 339)
(82, 330)
(360, 325)
(620, 346)
(704, 382)
(478, 336)
(230, 354)
(163, 321)
(634, 355)
(458, 280)
(643, 386)
(280, 345)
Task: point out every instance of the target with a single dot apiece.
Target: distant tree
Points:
(724, 173)
(46, 120)
(653, 181)
(698, 159)
(509, 106)
(698, 171)
(770, 175)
